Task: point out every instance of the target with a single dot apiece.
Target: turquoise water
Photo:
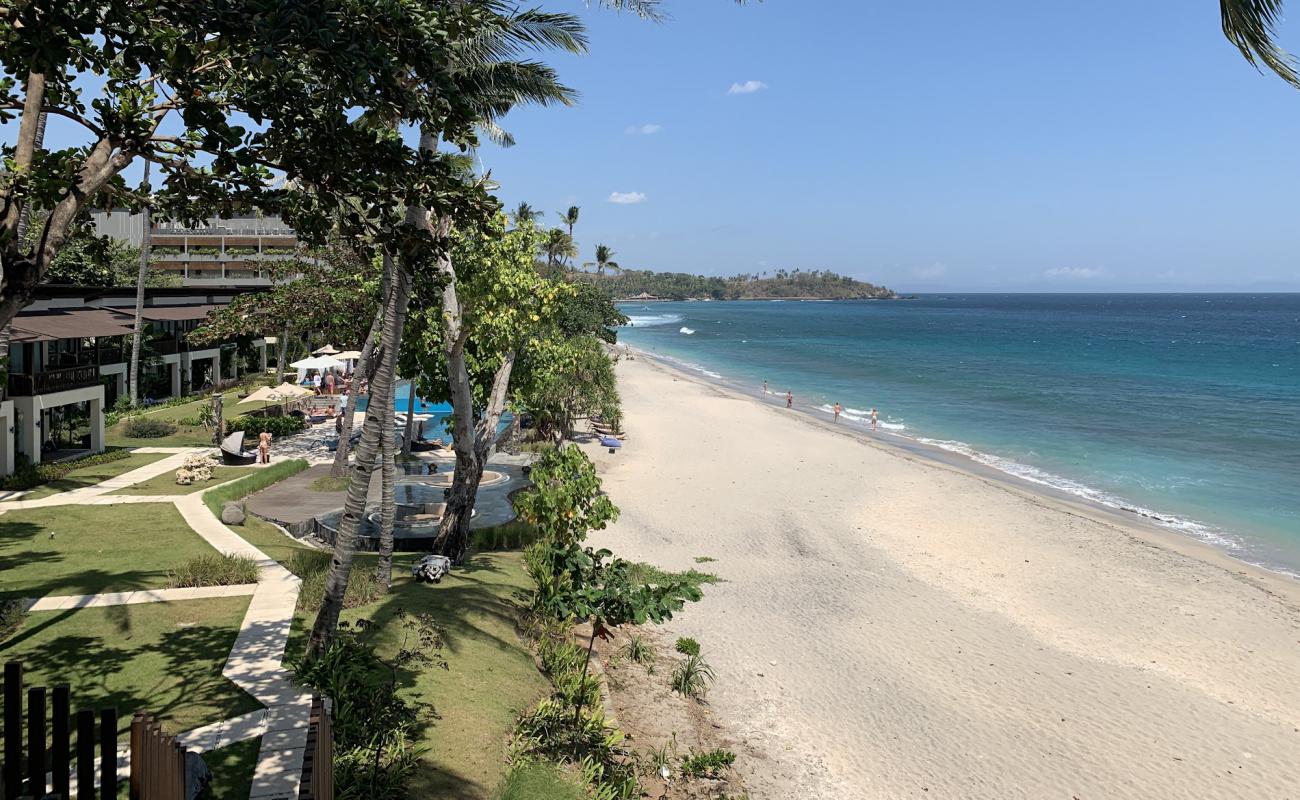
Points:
(439, 426)
(1184, 406)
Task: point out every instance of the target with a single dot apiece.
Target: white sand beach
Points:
(889, 626)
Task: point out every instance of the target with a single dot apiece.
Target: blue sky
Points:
(943, 145)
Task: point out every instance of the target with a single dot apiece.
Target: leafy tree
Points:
(570, 218)
(558, 247)
(590, 311)
(569, 378)
(565, 501)
(525, 214)
(604, 260)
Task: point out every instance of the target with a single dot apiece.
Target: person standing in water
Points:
(873, 420)
(789, 399)
(765, 388)
(837, 412)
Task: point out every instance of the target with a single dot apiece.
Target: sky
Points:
(937, 146)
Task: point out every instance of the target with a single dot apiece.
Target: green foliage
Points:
(253, 482)
(214, 569)
(28, 476)
(376, 730)
(512, 535)
(568, 378)
(328, 483)
(13, 613)
(590, 311)
(820, 284)
(313, 567)
(538, 781)
(649, 573)
(277, 426)
(565, 501)
(707, 763)
(687, 646)
(147, 428)
(691, 678)
(638, 650)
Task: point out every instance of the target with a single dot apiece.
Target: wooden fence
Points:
(318, 760)
(157, 762)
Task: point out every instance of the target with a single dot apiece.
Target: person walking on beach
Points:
(837, 412)
(873, 420)
(765, 392)
(789, 399)
(264, 447)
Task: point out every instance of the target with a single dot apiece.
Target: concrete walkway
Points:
(255, 660)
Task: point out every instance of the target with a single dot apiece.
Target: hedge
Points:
(29, 476)
(253, 482)
(277, 426)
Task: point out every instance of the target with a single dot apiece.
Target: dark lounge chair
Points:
(233, 452)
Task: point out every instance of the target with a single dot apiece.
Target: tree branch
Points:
(62, 112)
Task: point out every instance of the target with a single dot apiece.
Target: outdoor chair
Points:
(233, 452)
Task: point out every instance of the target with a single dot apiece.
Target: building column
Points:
(216, 368)
(96, 409)
(7, 433)
(175, 369)
(29, 434)
(121, 384)
(262, 351)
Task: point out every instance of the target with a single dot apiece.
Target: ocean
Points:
(1184, 407)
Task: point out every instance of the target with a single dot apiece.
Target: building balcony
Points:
(55, 380)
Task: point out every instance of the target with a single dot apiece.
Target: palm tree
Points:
(569, 218)
(604, 260)
(557, 246)
(146, 242)
(1251, 25)
(525, 213)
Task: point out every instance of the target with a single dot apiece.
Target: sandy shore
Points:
(891, 626)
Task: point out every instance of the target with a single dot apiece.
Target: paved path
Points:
(255, 661)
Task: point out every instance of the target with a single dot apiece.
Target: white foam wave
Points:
(687, 331)
(864, 417)
(651, 320)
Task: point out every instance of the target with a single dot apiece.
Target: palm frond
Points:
(1251, 26)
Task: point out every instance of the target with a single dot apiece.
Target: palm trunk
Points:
(137, 334)
(453, 530)
(363, 367)
(283, 358)
(354, 508)
(410, 419)
(387, 502)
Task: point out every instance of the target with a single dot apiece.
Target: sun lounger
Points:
(233, 452)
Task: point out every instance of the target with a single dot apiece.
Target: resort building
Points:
(234, 251)
(70, 351)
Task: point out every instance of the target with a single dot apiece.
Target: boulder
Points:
(232, 513)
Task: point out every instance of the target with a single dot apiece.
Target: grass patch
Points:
(90, 476)
(328, 483)
(82, 549)
(232, 770)
(704, 559)
(165, 484)
(271, 540)
(539, 781)
(313, 567)
(641, 572)
(256, 481)
(164, 658)
(214, 569)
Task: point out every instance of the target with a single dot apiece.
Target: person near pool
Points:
(873, 419)
(837, 412)
(789, 399)
(264, 447)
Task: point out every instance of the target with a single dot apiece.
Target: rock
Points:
(197, 775)
(232, 513)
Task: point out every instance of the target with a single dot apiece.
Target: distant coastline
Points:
(646, 286)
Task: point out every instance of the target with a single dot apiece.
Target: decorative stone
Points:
(232, 513)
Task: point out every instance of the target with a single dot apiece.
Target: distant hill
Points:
(814, 284)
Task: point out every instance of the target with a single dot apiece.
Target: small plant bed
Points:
(164, 658)
(126, 433)
(165, 484)
(91, 549)
(214, 569)
(232, 770)
(79, 477)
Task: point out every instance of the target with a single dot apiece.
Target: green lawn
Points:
(232, 770)
(98, 473)
(185, 436)
(166, 483)
(164, 658)
(84, 549)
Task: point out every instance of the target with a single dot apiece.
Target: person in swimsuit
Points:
(789, 399)
(264, 447)
(837, 412)
(873, 419)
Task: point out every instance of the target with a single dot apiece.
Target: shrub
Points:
(13, 613)
(638, 650)
(28, 475)
(510, 536)
(215, 569)
(276, 426)
(313, 567)
(148, 428)
(687, 646)
(692, 677)
(707, 764)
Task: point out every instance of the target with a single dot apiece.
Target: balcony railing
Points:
(55, 380)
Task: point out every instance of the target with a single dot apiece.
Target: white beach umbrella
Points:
(317, 362)
(264, 395)
(327, 350)
(348, 355)
(288, 390)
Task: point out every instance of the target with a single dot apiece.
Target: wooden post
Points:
(60, 756)
(13, 753)
(85, 755)
(108, 754)
(36, 741)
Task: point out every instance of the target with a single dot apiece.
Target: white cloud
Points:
(626, 198)
(648, 129)
(748, 87)
(1076, 273)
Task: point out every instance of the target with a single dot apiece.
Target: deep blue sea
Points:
(1185, 406)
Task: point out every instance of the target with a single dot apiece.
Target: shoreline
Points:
(1169, 530)
(889, 624)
